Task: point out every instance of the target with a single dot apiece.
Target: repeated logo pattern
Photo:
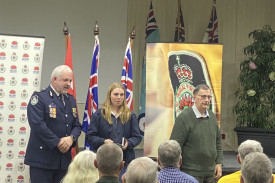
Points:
(20, 69)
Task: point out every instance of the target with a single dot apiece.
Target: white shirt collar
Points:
(57, 94)
(197, 112)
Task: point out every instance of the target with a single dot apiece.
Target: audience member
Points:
(256, 168)
(169, 160)
(82, 169)
(109, 161)
(141, 170)
(244, 149)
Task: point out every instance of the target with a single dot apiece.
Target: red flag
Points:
(68, 62)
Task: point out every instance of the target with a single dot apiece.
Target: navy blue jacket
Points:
(100, 129)
(50, 120)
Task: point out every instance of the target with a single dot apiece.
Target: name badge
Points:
(52, 110)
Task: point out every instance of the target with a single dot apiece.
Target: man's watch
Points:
(73, 138)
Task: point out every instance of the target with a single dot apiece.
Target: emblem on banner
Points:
(10, 154)
(9, 167)
(13, 81)
(2, 56)
(23, 118)
(36, 70)
(20, 179)
(1, 117)
(25, 69)
(13, 69)
(37, 46)
(12, 94)
(22, 143)
(1, 130)
(1, 105)
(2, 93)
(25, 57)
(26, 45)
(24, 94)
(11, 130)
(184, 98)
(10, 142)
(0, 144)
(12, 106)
(21, 167)
(14, 57)
(37, 58)
(2, 68)
(14, 44)
(11, 118)
(36, 82)
(23, 106)
(22, 130)
(8, 179)
(3, 44)
(21, 155)
(2, 81)
(24, 82)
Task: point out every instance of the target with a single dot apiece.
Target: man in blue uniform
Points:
(55, 128)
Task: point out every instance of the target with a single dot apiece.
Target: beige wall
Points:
(236, 19)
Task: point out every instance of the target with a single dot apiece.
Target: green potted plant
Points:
(255, 108)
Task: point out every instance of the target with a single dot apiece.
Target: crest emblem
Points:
(0, 145)
(8, 179)
(24, 94)
(22, 143)
(10, 155)
(26, 45)
(37, 58)
(12, 106)
(3, 44)
(25, 69)
(2, 68)
(1, 117)
(21, 167)
(13, 81)
(2, 94)
(14, 57)
(36, 82)
(23, 118)
(11, 130)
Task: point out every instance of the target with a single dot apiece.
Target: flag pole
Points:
(179, 3)
(96, 29)
(66, 34)
(132, 36)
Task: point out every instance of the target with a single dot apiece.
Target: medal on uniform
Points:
(74, 112)
(52, 110)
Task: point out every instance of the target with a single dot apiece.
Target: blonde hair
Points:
(106, 108)
(82, 169)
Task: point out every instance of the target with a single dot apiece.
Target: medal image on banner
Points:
(52, 110)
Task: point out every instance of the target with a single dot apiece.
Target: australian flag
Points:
(127, 75)
(92, 95)
(180, 33)
(211, 34)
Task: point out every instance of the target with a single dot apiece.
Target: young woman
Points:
(115, 123)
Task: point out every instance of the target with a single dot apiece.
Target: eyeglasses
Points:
(206, 96)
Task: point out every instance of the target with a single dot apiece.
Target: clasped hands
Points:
(64, 144)
(123, 148)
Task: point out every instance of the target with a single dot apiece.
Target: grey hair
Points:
(57, 71)
(109, 157)
(199, 87)
(248, 147)
(256, 168)
(142, 170)
(169, 153)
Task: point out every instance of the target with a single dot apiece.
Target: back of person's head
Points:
(142, 170)
(82, 169)
(256, 168)
(248, 147)
(169, 154)
(109, 159)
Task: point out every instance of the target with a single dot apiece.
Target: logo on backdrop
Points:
(20, 179)
(1, 105)
(8, 179)
(23, 118)
(21, 155)
(11, 130)
(2, 56)
(24, 94)
(14, 45)
(10, 142)
(2, 68)
(10, 154)
(37, 46)
(21, 167)
(36, 82)
(9, 167)
(25, 57)
(23, 106)
(13, 69)
(3, 44)
(2, 81)
(25, 69)
(36, 70)
(14, 57)
(13, 81)
(22, 131)
(24, 82)
(12, 106)
(2, 93)
(37, 58)
(12, 94)
(11, 118)
(1, 117)
(22, 143)
(26, 45)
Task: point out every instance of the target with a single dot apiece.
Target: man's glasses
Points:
(206, 96)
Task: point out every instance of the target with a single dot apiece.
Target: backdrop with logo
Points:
(20, 75)
(173, 70)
